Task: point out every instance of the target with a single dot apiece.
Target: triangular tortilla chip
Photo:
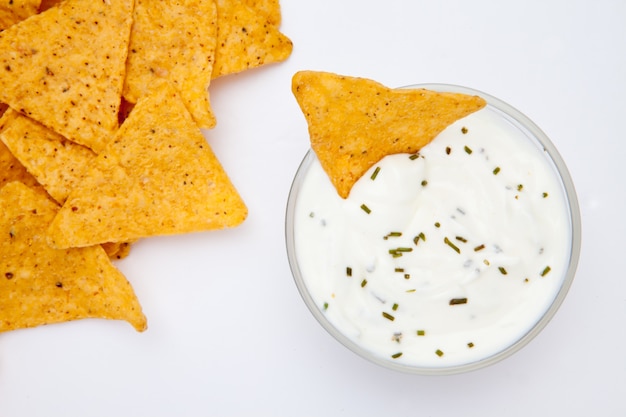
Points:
(40, 285)
(158, 176)
(355, 122)
(245, 39)
(160, 49)
(14, 11)
(57, 163)
(65, 67)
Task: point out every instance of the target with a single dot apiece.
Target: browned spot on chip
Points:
(158, 176)
(65, 67)
(245, 39)
(355, 122)
(41, 285)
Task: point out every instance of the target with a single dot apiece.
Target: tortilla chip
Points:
(57, 163)
(158, 176)
(14, 11)
(355, 122)
(246, 40)
(65, 68)
(160, 49)
(269, 9)
(40, 285)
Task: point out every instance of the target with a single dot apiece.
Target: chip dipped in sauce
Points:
(441, 260)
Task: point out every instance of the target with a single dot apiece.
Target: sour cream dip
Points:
(445, 260)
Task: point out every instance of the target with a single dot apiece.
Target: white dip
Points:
(493, 253)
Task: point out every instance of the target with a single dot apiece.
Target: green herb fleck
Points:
(424, 183)
(414, 156)
(520, 187)
(325, 306)
(388, 316)
(365, 209)
(470, 345)
(411, 290)
(439, 352)
(545, 195)
(394, 307)
(502, 270)
(457, 301)
(545, 271)
(452, 245)
(468, 150)
(421, 332)
(311, 214)
(363, 283)
(461, 239)
(349, 271)
(448, 150)
(392, 234)
(479, 248)
(437, 225)
(407, 276)
(399, 270)
(396, 355)
(375, 173)
(464, 130)
(496, 170)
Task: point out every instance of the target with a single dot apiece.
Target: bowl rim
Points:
(552, 155)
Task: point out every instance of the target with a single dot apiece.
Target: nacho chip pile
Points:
(355, 122)
(102, 105)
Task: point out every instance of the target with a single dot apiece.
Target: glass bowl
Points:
(528, 130)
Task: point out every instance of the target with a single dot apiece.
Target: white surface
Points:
(228, 333)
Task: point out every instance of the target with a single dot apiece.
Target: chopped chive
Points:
(392, 234)
(348, 271)
(411, 290)
(468, 150)
(502, 270)
(325, 306)
(402, 249)
(388, 316)
(448, 150)
(365, 209)
(375, 173)
(545, 271)
(399, 270)
(439, 352)
(545, 195)
(407, 276)
(486, 262)
(396, 355)
(464, 130)
(479, 248)
(452, 245)
(424, 183)
(421, 332)
(414, 156)
(461, 239)
(394, 307)
(363, 283)
(526, 280)
(457, 301)
(417, 238)
(496, 170)
(520, 187)
(470, 345)
(437, 224)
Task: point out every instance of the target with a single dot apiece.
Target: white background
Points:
(228, 332)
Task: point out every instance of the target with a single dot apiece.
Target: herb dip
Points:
(442, 258)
